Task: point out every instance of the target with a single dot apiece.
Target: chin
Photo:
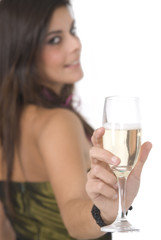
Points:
(78, 77)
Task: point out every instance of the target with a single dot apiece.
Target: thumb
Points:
(145, 150)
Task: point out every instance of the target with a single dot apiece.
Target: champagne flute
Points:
(122, 123)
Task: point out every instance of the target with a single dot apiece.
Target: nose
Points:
(74, 44)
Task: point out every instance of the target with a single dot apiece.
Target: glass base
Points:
(119, 226)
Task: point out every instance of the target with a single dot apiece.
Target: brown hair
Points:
(23, 26)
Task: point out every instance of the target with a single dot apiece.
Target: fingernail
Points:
(115, 160)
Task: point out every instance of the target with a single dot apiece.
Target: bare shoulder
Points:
(40, 121)
(62, 118)
(46, 125)
(60, 124)
(52, 128)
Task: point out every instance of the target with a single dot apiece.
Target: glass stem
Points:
(122, 191)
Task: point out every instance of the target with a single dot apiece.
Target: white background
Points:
(121, 54)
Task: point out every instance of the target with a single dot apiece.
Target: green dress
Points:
(36, 213)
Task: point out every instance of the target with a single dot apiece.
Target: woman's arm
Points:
(6, 231)
(61, 144)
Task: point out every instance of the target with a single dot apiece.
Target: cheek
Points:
(52, 58)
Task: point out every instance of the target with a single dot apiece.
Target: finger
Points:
(95, 188)
(144, 153)
(99, 154)
(97, 137)
(105, 175)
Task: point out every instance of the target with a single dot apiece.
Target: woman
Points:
(44, 154)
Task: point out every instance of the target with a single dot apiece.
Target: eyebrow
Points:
(54, 32)
(59, 31)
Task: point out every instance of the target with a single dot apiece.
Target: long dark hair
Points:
(23, 26)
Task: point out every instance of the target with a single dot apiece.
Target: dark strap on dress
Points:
(107, 236)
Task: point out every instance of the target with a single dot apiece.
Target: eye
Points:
(73, 31)
(54, 40)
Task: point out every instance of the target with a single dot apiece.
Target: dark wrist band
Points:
(97, 216)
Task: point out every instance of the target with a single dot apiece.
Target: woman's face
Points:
(60, 56)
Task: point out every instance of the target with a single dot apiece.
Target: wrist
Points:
(97, 216)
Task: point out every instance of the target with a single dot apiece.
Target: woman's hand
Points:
(102, 182)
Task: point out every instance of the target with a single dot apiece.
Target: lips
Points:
(74, 64)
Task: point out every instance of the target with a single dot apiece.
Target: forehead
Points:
(61, 17)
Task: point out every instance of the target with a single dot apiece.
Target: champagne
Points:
(124, 143)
